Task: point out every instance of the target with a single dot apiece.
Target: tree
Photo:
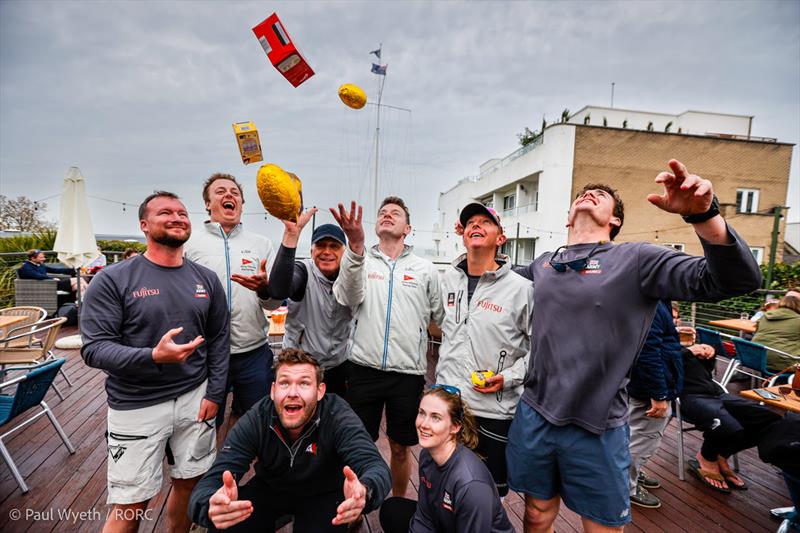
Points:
(565, 115)
(22, 214)
(587, 118)
(605, 122)
(668, 127)
(527, 136)
(650, 126)
(625, 123)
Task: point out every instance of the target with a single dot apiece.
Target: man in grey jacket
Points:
(487, 316)
(395, 295)
(239, 258)
(316, 323)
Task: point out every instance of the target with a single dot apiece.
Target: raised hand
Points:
(355, 498)
(224, 509)
(166, 351)
(257, 282)
(292, 229)
(684, 193)
(351, 225)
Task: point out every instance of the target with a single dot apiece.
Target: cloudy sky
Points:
(141, 95)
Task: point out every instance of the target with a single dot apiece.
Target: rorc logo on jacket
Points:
(312, 448)
(409, 281)
(447, 501)
(200, 291)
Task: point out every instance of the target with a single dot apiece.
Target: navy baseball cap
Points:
(476, 208)
(328, 231)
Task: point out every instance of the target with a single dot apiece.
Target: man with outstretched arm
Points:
(316, 323)
(395, 295)
(314, 460)
(594, 303)
(157, 325)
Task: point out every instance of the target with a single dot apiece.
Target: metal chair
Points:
(753, 356)
(31, 345)
(32, 314)
(31, 389)
(676, 412)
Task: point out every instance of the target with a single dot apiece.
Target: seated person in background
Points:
(456, 491)
(656, 379)
(98, 263)
(35, 268)
(730, 424)
(780, 329)
(129, 252)
(314, 458)
(769, 305)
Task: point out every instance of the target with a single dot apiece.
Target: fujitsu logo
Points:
(145, 292)
(489, 306)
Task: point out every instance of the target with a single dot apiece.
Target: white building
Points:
(532, 188)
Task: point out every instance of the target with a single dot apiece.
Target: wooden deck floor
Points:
(63, 486)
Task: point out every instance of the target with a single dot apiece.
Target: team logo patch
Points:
(451, 299)
(447, 501)
(410, 281)
(200, 291)
(312, 448)
(592, 267)
(489, 305)
(144, 292)
(248, 265)
(376, 275)
(116, 451)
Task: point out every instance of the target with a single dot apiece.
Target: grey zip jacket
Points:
(393, 302)
(239, 252)
(492, 332)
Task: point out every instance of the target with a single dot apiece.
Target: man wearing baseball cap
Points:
(316, 323)
(486, 327)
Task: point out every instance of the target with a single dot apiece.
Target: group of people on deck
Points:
(179, 327)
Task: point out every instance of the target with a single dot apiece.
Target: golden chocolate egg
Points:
(281, 192)
(353, 96)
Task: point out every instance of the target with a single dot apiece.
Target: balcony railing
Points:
(512, 156)
(520, 210)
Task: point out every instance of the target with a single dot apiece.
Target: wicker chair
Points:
(32, 314)
(38, 340)
(38, 293)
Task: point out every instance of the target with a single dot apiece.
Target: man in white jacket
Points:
(395, 295)
(487, 320)
(239, 258)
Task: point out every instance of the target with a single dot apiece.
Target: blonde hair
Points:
(459, 414)
(790, 302)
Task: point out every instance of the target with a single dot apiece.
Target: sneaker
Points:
(648, 482)
(642, 498)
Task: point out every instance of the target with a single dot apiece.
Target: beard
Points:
(308, 413)
(170, 241)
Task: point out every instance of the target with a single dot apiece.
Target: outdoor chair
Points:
(30, 392)
(752, 356)
(39, 293)
(31, 345)
(32, 314)
(676, 412)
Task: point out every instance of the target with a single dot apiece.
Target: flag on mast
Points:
(379, 69)
(377, 53)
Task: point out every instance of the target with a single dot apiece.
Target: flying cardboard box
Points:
(249, 145)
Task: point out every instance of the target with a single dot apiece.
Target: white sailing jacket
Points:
(491, 332)
(393, 303)
(239, 252)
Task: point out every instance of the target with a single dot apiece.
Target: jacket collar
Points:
(376, 252)
(215, 228)
(318, 273)
(460, 263)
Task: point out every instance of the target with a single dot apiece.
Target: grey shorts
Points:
(138, 440)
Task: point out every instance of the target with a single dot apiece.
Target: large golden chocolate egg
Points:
(353, 96)
(281, 192)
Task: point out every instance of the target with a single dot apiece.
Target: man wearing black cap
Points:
(487, 310)
(316, 323)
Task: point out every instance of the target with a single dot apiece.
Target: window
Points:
(535, 205)
(746, 200)
(507, 248)
(758, 253)
(509, 203)
(674, 245)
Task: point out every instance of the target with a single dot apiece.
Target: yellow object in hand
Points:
(479, 377)
(281, 192)
(353, 96)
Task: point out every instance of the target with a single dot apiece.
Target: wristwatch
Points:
(713, 211)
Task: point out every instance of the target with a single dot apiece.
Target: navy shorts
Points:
(588, 471)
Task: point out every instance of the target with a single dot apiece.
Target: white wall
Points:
(690, 122)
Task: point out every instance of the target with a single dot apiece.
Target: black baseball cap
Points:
(328, 231)
(476, 208)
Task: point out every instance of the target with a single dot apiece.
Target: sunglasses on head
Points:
(577, 265)
(449, 389)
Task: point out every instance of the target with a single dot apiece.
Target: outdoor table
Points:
(6, 321)
(276, 330)
(787, 402)
(747, 326)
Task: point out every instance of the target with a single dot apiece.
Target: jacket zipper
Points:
(296, 447)
(388, 317)
(227, 268)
